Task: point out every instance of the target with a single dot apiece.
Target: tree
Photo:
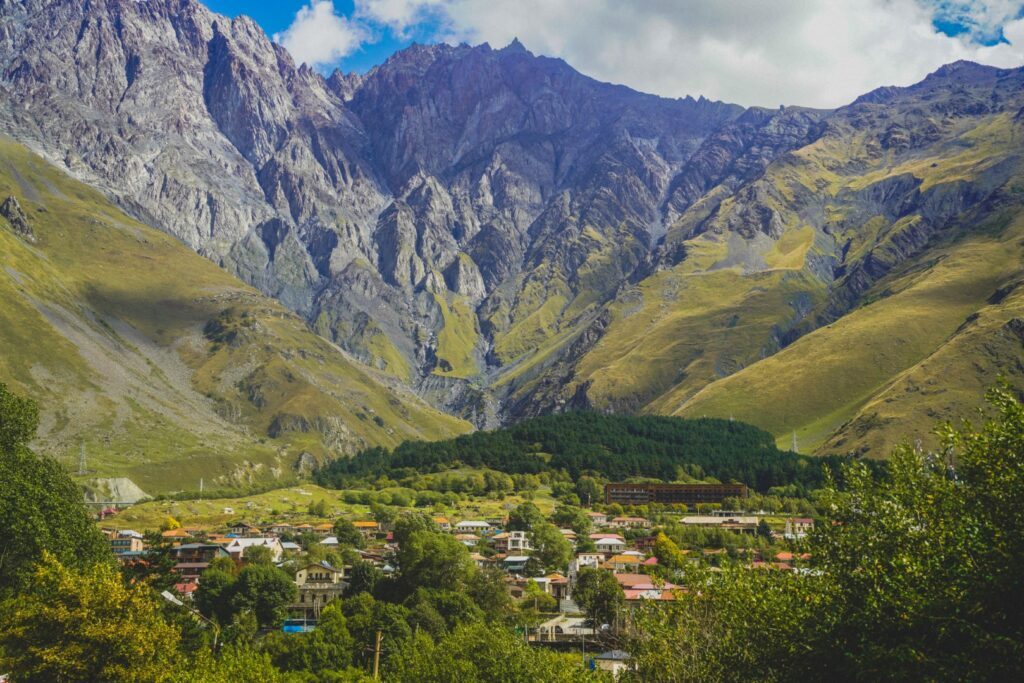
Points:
(572, 517)
(551, 548)
(328, 648)
(170, 523)
(234, 664)
(917, 577)
(363, 578)
(410, 522)
(264, 590)
(599, 594)
(431, 560)
(213, 598)
(41, 508)
(347, 533)
(523, 517)
(668, 553)
(479, 652)
(259, 554)
(19, 419)
(764, 530)
(68, 626)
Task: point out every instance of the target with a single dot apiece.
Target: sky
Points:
(817, 53)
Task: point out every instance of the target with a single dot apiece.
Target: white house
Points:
(470, 526)
(610, 545)
(318, 584)
(238, 546)
(798, 527)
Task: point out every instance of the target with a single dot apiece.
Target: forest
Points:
(614, 447)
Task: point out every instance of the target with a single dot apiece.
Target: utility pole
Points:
(81, 459)
(200, 488)
(376, 658)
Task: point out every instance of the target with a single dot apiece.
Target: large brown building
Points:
(690, 494)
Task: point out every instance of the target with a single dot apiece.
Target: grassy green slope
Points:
(108, 323)
(887, 370)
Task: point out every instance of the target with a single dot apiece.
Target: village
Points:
(542, 574)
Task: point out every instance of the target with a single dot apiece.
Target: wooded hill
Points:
(611, 446)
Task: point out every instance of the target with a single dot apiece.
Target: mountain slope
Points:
(436, 218)
(507, 237)
(165, 367)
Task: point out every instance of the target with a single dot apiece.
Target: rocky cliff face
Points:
(472, 220)
(447, 179)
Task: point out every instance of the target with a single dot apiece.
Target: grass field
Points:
(163, 365)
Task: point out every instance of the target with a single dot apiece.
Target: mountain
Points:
(508, 238)
(162, 367)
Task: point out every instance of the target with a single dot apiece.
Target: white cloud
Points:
(401, 16)
(321, 37)
(812, 52)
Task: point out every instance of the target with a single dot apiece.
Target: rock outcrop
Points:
(16, 218)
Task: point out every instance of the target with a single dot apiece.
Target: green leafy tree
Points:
(264, 590)
(363, 578)
(19, 419)
(523, 517)
(41, 508)
(68, 626)
(429, 559)
(915, 577)
(259, 554)
(233, 664)
(478, 652)
(347, 533)
(551, 548)
(328, 648)
(668, 553)
(213, 598)
(599, 595)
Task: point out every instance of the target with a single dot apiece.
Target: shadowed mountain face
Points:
(504, 234)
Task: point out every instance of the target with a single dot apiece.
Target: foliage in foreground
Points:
(917, 578)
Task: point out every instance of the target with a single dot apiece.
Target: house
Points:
(126, 542)
(324, 529)
(192, 559)
(331, 542)
(186, 589)
(613, 661)
(564, 628)
(744, 524)
(178, 534)
(243, 529)
(623, 563)
(367, 528)
(238, 546)
(480, 561)
(610, 545)
(629, 523)
(291, 547)
(318, 584)
(582, 560)
(558, 586)
(443, 524)
(512, 542)
(515, 564)
(597, 518)
(281, 529)
(468, 540)
(473, 527)
(569, 535)
(798, 527)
